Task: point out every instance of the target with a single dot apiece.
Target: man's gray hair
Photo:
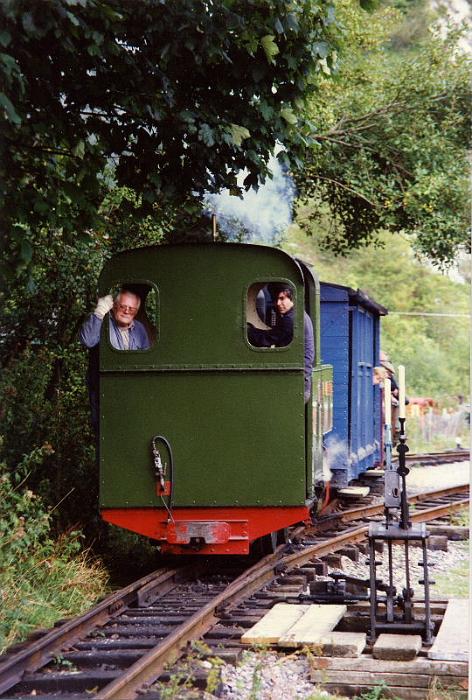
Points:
(127, 290)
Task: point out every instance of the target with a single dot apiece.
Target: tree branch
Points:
(346, 187)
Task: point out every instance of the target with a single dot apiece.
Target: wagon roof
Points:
(358, 296)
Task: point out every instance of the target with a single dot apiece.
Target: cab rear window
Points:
(270, 314)
(133, 320)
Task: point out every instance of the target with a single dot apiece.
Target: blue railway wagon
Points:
(350, 341)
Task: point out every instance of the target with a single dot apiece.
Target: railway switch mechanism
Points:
(389, 611)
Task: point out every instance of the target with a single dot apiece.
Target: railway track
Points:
(120, 647)
(429, 458)
(443, 502)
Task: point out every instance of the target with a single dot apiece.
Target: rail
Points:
(20, 669)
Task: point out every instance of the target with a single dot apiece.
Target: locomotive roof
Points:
(140, 257)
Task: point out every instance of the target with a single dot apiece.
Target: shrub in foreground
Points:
(41, 579)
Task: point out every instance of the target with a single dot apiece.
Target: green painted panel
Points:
(202, 304)
(237, 437)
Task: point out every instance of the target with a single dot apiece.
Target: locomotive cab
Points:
(206, 442)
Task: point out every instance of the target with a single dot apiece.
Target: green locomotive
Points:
(206, 441)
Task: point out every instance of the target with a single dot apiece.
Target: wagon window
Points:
(133, 318)
(270, 314)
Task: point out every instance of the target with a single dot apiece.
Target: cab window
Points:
(133, 318)
(270, 314)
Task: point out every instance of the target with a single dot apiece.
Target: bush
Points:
(41, 580)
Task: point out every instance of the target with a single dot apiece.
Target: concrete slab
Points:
(275, 623)
(397, 647)
(317, 621)
(343, 644)
(354, 491)
(452, 642)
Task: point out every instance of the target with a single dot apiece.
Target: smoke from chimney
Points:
(261, 216)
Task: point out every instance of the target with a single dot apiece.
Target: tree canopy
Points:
(167, 98)
(391, 141)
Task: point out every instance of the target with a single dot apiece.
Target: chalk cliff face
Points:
(458, 11)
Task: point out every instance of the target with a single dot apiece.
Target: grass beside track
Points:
(42, 579)
(455, 582)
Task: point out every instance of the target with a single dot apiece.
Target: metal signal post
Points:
(398, 616)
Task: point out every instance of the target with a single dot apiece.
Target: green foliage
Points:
(118, 547)
(43, 395)
(415, 25)
(40, 579)
(434, 349)
(392, 133)
(256, 680)
(378, 692)
(44, 400)
(434, 432)
(164, 98)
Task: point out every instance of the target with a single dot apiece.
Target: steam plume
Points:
(335, 457)
(260, 216)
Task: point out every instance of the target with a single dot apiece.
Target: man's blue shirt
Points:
(91, 328)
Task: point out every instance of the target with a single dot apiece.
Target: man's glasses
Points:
(127, 309)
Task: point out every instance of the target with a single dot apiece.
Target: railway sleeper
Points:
(158, 631)
(246, 621)
(350, 551)
(230, 652)
(167, 620)
(65, 683)
(129, 643)
(309, 574)
(291, 580)
(224, 632)
(277, 588)
(121, 658)
(198, 676)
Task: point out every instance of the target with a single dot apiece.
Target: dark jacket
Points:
(281, 335)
